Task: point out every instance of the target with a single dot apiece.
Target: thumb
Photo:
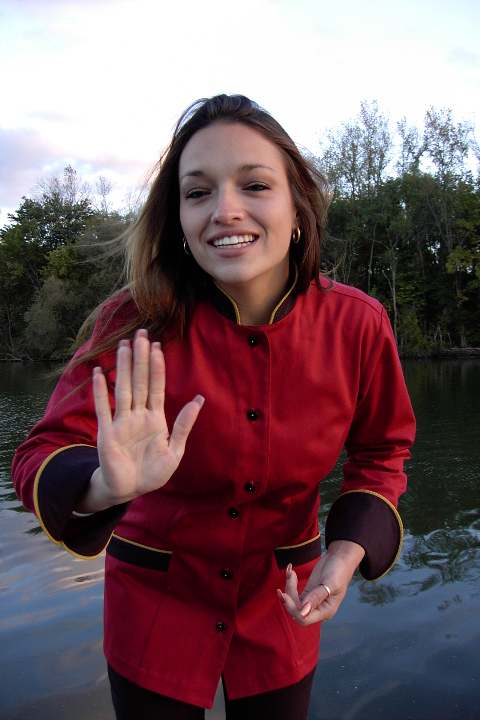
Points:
(183, 424)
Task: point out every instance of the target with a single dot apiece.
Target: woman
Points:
(208, 506)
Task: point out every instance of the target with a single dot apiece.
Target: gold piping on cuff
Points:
(35, 493)
(399, 520)
(84, 557)
(291, 547)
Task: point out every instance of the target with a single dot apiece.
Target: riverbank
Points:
(444, 354)
(455, 352)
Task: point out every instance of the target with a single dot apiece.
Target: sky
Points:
(99, 84)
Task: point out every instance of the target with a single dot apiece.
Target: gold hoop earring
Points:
(296, 236)
(185, 246)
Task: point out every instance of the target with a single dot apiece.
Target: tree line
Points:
(405, 223)
(404, 226)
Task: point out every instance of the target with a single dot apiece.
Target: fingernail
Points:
(289, 571)
(306, 610)
(280, 597)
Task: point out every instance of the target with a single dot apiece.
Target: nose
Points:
(228, 207)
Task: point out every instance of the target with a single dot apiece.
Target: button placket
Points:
(254, 396)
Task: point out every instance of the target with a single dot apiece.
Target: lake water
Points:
(406, 647)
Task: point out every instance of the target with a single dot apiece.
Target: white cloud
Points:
(100, 83)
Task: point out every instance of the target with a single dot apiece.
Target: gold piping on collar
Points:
(276, 308)
(235, 306)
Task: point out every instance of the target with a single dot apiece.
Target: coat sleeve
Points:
(377, 445)
(52, 469)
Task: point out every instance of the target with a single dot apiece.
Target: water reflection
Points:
(445, 470)
(407, 646)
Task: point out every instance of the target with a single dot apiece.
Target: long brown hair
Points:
(165, 283)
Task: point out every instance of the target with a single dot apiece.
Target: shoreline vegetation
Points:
(448, 353)
(403, 226)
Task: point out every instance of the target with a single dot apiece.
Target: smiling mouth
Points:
(236, 240)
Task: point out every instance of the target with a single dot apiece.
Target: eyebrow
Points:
(243, 168)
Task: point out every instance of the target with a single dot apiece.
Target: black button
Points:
(225, 574)
(233, 512)
(252, 415)
(250, 487)
(221, 627)
(253, 341)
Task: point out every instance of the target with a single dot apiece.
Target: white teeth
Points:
(234, 240)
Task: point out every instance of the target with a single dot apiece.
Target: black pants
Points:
(132, 702)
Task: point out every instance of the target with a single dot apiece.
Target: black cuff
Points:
(60, 484)
(371, 521)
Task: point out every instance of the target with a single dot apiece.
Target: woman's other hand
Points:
(326, 586)
(137, 453)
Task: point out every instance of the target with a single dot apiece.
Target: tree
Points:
(77, 277)
(358, 153)
(37, 229)
(410, 238)
(104, 187)
(355, 161)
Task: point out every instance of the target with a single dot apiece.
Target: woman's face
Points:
(236, 209)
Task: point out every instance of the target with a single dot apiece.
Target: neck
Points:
(253, 307)
(252, 314)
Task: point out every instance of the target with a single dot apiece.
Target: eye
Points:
(257, 186)
(195, 194)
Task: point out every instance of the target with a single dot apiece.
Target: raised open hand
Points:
(137, 453)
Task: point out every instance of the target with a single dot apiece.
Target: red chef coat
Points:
(192, 568)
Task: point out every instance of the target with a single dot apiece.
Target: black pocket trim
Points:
(136, 554)
(298, 554)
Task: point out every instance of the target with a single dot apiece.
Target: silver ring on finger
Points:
(327, 589)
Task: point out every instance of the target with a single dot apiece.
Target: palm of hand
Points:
(137, 454)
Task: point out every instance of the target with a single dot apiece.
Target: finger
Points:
(123, 383)
(289, 604)
(141, 370)
(184, 423)
(100, 396)
(156, 390)
(292, 608)
(291, 585)
(314, 599)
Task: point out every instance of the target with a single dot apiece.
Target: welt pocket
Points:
(298, 554)
(136, 554)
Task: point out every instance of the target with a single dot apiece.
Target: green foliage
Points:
(413, 341)
(404, 226)
(56, 265)
(411, 237)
